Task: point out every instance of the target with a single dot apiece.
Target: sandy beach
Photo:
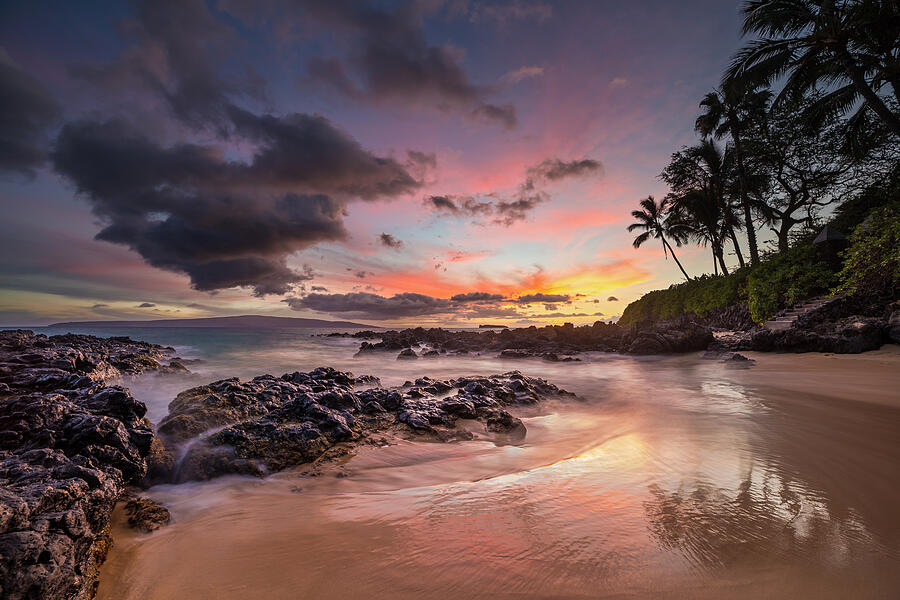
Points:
(775, 481)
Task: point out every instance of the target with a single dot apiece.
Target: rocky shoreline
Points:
(72, 446)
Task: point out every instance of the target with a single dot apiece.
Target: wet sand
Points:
(674, 478)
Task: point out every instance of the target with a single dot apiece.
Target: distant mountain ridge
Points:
(242, 321)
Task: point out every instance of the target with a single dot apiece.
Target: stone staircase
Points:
(786, 318)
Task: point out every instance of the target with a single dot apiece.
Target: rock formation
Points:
(272, 423)
(69, 445)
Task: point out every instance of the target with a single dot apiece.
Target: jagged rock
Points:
(738, 360)
(64, 462)
(68, 447)
(668, 337)
(407, 354)
(893, 329)
(146, 515)
(851, 335)
(271, 423)
(32, 362)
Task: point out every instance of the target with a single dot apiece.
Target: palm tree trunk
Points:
(745, 202)
(858, 78)
(677, 262)
(737, 246)
(721, 257)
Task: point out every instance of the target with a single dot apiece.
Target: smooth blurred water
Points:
(670, 477)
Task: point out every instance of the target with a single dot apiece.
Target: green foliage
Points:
(872, 262)
(699, 295)
(786, 278)
(778, 281)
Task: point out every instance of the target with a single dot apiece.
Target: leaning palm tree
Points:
(655, 223)
(730, 111)
(849, 47)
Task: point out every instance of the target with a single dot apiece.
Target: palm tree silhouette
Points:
(848, 47)
(728, 111)
(654, 222)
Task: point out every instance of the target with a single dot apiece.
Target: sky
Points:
(430, 162)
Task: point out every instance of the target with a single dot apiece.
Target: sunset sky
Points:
(397, 163)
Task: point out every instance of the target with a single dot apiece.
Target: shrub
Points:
(780, 280)
(700, 296)
(786, 278)
(872, 262)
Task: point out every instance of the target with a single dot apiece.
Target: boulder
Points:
(893, 327)
(407, 354)
(145, 514)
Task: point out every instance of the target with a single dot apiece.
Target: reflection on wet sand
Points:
(673, 478)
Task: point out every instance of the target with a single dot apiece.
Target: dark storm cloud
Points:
(612, 299)
(372, 305)
(554, 169)
(177, 53)
(391, 60)
(536, 298)
(390, 241)
(188, 209)
(528, 195)
(472, 305)
(476, 297)
(26, 109)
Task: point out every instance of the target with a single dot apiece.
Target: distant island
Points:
(493, 327)
(242, 321)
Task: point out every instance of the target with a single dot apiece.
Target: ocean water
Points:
(673, 477)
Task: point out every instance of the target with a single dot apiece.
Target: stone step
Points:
(787, 318)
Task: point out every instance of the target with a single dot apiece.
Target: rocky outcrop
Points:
(32, 362)
(530, 341)
(850, 335)
(668, 337)
(69, 445)
(272, 423)
(680, 335)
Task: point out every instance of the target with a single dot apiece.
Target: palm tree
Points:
(703, 221)
(849, 47)
(654, 222)
(701, 178)
(728, 111)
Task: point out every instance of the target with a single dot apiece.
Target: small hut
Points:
(829, 244)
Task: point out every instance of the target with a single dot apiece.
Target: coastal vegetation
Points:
(802, 132)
